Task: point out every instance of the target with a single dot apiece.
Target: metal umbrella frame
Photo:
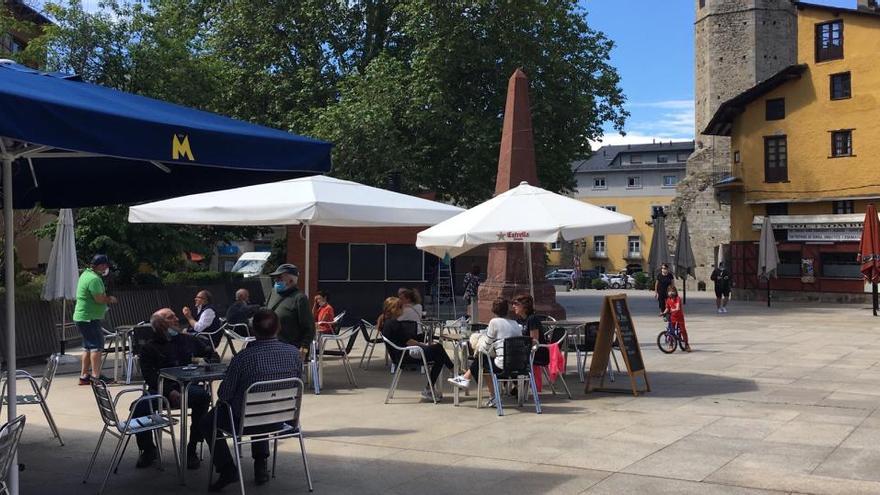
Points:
(685, 263)
(62, 271)
(768, 256)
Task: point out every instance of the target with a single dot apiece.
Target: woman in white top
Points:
(412, 311)
(500, 328)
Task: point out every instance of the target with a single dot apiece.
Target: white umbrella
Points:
(768, 256)
(523, 214)
(316, 200)
(62, 271)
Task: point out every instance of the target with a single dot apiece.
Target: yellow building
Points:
(804, 147)
(638, 180)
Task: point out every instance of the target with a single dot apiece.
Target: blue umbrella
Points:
(65, 143)
(80, 144)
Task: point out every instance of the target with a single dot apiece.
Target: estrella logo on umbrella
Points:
(513, 236)
(180, 147)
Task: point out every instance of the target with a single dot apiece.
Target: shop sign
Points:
(846, 234)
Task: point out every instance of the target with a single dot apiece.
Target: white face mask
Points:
(105, 272)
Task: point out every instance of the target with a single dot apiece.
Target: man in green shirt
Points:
(91, 306)
(292, 307)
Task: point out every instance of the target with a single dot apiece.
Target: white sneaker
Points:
(720, 310)
(724, 310)
(491, 402)
(459, 381)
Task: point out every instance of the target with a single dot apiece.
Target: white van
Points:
(251, 264)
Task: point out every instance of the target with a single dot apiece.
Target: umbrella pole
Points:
(874, 297)
(684, 287)
(9, 259)
(528, 247)
(307, 287)
(768, 292)
(63, 323)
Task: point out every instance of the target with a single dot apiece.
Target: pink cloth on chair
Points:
(557, 362)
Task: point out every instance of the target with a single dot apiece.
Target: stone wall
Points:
(738, 43)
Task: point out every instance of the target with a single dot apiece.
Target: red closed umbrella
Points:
(869, 251)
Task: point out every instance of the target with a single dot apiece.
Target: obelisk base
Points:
(545, 298)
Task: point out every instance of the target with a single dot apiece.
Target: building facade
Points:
(638, 180)
(803, 151)
(736, 44)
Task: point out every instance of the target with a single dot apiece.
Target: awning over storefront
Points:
(816, 228)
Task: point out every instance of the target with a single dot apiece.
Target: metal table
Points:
(185, 376)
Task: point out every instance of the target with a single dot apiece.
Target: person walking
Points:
(661, 283)
(292, 307)
(91, 306)
(721, 277)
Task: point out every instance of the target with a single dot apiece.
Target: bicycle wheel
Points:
(681, 343)
(666, 342)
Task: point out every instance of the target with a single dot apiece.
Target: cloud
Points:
(632, 138)
(665, 104)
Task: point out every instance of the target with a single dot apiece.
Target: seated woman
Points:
(410, 309)
(323, 312)
(524, 308)
(501, 327)
(405, 333)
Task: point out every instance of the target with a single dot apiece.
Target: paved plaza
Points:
(772, 400)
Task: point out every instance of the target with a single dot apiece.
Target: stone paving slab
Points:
(773, 401)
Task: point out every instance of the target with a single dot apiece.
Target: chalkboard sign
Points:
(616, 329)
(628, 335)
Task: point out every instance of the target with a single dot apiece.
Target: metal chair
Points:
(325, 339)
(519, 354)
(334, 324)
(398, 354)
(236, 333)
(139, 336)
(40, 392)
(557, 337)
(270, 412)
(10, 435)
(368, 330)
(158, 421)
(113, 343)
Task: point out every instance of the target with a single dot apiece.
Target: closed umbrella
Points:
(768, 257)
(869, 252)
(659, 253)
(524, 214)
(684, 256)
(62, 271)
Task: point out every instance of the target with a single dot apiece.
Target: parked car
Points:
(587, 277)
(621, 281)
(560, 277)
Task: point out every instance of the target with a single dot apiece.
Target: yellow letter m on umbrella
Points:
(180, 147)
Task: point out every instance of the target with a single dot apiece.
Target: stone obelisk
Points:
(507, 275)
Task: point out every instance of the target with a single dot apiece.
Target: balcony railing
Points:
(632, 255)
(597, 254)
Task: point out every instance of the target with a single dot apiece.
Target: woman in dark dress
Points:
(664, 280)
(524, 309)
(404, 333)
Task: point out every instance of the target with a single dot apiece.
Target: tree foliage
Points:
(416, 87)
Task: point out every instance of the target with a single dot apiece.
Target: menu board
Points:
(616, 329)
(627, 333)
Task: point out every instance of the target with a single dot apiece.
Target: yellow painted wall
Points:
(809, 116)
(640, 209)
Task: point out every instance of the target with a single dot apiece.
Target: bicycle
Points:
(669, 339)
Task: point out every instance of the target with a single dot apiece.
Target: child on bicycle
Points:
(676, 314)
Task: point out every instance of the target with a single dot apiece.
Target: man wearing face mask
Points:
(292, 307)
(169, 347)
(91, 306)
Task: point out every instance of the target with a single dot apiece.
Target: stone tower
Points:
(738, 43)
